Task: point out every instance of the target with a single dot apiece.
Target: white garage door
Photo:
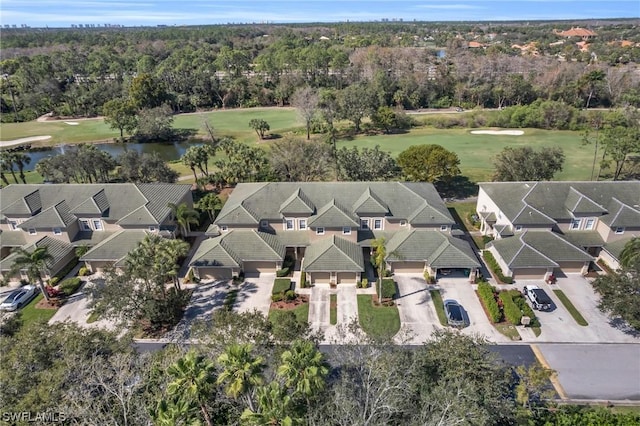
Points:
(408, 267)
(346, 277)
(214, 273)
(529, 274)
(320, 277)
(255, 268)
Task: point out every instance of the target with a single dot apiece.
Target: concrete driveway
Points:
(559, 326)
(418, 317)
(77, 310)
(255, 293)
(347, 309)
(464, 293)
(205, 299)
(319, 307)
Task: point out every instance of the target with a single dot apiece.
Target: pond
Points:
(168, 151)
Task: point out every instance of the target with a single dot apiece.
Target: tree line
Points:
(75, 73)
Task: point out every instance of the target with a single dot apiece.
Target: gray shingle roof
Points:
(12, 239)
(298, 204)
(615, 247)
(237, 246)
(562, 200)
(623, 215)
(434, 247)
(584, 238)
(333, 254)
(333, 214)
(115, 200)
(369, 203)
(139, 217)
(57, 216)
(96, 205)
(403, 200)
(56, 248)
(116, 247)
(538, 249)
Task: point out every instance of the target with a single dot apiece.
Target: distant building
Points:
(583, 33)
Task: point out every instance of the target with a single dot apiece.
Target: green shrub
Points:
(493, 264)
(290, 295)
(53, 281)
(70, 286)
(288, 262)
(510, 310)
(388, 288)
(485, 291)
(83, 271)
(65, 271)
(280, 285)
(277, 297)
(520, 301)
(303, 279)
(364, 283)
(429, 278)
(282, 272)
(387, 273)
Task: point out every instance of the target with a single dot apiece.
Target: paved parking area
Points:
(464, 293)
(77, 310)
(319, 307)
(559, 326)
(255, 293)
(418, 317)
(347, 308)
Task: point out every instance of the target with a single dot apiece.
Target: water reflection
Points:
(168, 151)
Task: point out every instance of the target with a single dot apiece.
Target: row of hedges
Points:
(485, 291)
(495, 268)
(388, 289)
(280, 285)
(282, 272)
(510, 309)
(287, 295)
(522, 304)
(303, 279)
(70, 286)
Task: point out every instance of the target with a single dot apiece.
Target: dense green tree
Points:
(143, 168)
(184, 216)
(210, 203)
(630, 254)
(297, 160)
(620, 292)
(146, 92)
(526, 164)
(275, 407)
(428, 163)
(120, 114)
(303, 369)
(356, 102)
(155, 124)
(260, 126)
(241, 372)
(619, 143)
(366, 164)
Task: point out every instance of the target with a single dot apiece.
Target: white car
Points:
(18, 298)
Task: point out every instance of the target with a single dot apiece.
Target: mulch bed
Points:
(52, 304)
(290, 304)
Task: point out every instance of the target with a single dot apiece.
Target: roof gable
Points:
(139, 217)
(577, 203)
(333, 254)
(434, 247)
(56, 248)
(370, 203)
(57, 216)
(427, 215)
(298, 204)
(624, 216)
(116, 247)
(253, 245)
(237, 216)
(333, 215)
(212, 253)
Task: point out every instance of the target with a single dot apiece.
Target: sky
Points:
(64, 13)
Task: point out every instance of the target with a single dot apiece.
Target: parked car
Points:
(453, 310)
(18, 298)
(539, 298)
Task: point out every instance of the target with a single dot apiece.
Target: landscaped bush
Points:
(303, 279)
(64, 271)
(53, 281)
(290, 295)
(70, 286)
(288, 262)
(485, 291)
(282, 272)
(493, 264)
(520, 301)
(280, 285)
(388, 289)
(430, 279)
(364, 283)
(277, 297)
(510, 310)
(83, 271)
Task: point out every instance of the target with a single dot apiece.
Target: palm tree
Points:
(6, 160)
(173, 250)
(21, 159)
(210, 202)
(242, 372)
(379, 256)
(193, 381)
(35, 263)
(274, 408)
(303, 368)
(630, 253)
(185, 216)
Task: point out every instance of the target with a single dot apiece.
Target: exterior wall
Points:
(611, 261)
(48, 232)
(572, 266)
(329, 232)
(628, 232)
(241, 227)
(505, 268)
(486, 204)
(392, 224)
(432, 228)
(98, 266)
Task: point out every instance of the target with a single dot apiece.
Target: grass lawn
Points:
(333, 309)
(379, 322)
(30, 313)
(301, 312)
(572, 309)
(476, 152)
(508, 330)
(436, 298)
(280, 285)
(93, 317)
(461, 212)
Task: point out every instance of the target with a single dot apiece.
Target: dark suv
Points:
(453, 310)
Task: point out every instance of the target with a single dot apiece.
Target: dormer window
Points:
(153, 229)
(223, 228)
(32, 231)
(444, 227)
(575, 223)
(264, 224)
(97, 225)
(403, 223)
(377, 224)
(346, 230)
(620, 230)
(84, 225)
(302, 224)
(289, 224)
(320, 231)
(589, 224)
(57, 231)
(518, 228)
(364, 224)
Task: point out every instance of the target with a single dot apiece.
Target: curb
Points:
(554, 376)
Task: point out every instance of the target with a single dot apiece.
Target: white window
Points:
(223, 228)
(57, 231)
(289, 224)
(377, 224)
(264, 223)
(153, 229)
(589, 224)
(620, 230)
(403, 223)
(443, 227)
(84, 224)
(13, 224)
(320, 231)
(346, 230)
(32, 231)
(575, 223)
(364, 224)
(518, 228)
(302, 224)
(97, 224)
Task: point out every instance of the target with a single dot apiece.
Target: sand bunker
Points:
(498, 132)
(71, 123)
(6, 144)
